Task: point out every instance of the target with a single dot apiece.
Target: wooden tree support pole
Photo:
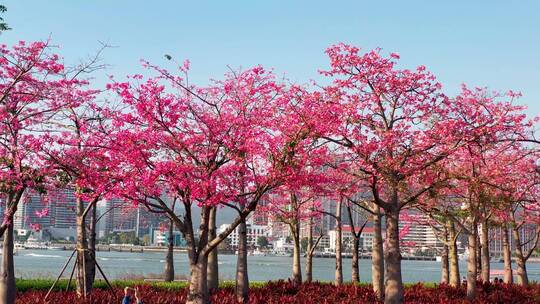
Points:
(84, 272)
(71, 276)
(104, 277)
(60, 275)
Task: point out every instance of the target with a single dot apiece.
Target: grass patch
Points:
(44, 284)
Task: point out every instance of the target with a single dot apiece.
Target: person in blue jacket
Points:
(127, 296)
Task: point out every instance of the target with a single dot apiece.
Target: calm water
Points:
(48, 263)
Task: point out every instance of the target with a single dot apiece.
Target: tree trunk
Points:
(478, 258)
(198, 260)
(297, 270)
(394, 283)
(8, 288)
(91, 274)
(83, 256)
(507, 257)
(7, 279)
(355, 260)
(198, 290)
(484, 240)
(309, 253)
(471, 264)
(339, 258)
(521, 267)
(213, 268)
(453, 255)
(168, 275)
(242, 280)
(377, 253)
(445, 264)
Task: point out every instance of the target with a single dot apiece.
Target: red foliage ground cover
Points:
(286, 292)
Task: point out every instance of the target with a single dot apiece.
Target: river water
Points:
(118, 265)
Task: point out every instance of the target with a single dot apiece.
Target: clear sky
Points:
(481, 43)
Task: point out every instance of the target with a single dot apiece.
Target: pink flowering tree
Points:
(298, 197)
(393, 124)
(76, 152)
(293, 207)
(227, 144)
(516, 208)
(491, 121)
(34, 89)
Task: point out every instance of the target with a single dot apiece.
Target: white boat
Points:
(55, 248)
(256, 252)
(282, 253)
(33, 243)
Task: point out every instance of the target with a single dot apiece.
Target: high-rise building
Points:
(526, 232)
(54, 209)
(253, 232)
(63, 210)
(23, 215)
(418, 233)
(120, 215)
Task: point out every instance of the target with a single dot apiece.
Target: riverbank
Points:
(34, 291)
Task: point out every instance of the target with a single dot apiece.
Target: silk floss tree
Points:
(491, 121)
(220, 145)
(76, 152)
(34, 88)
(393, 123)
(517, 209)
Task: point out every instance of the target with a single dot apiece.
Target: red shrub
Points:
(286, 292)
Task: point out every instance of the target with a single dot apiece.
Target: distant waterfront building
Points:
(160, 237)
(146, 221)
(527, 233)
(419, 233)
(63, 208)
(122, 216)
(347, 238)
(55, 209)
(366, 238)
(253, 233)
(26, 212)
(280, 245)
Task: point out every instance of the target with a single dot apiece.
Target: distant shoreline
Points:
(142, 249)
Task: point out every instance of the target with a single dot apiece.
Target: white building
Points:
(281, 245)
(347, 238)
(419, 234)
(253, 233)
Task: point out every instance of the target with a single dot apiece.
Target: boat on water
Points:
(33, 243)
(55, 248)
(282, 253)
(257, 252)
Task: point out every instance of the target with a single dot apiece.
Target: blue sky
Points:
(481, 43)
